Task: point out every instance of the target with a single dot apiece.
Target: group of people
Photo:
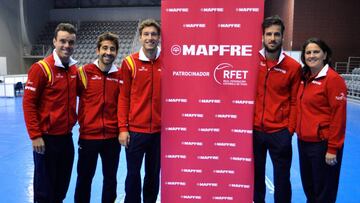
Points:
(122, 106)
(308, 100)
(117, 106)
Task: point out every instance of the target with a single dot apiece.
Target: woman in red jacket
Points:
(321, 121)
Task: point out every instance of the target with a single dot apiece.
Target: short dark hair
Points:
(108, 36)
(323, 46)
(65, 27)
(148, 23)
(273, 20)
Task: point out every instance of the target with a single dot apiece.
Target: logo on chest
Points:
(96, 77)
(316, 82)
(280, 70)
(59, 75)
(143, 69)
(112, 79)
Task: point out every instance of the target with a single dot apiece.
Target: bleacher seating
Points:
(88, 32)
(44, 43)
(353, 83)
(85, 50)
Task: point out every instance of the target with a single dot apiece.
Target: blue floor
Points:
(16, 168)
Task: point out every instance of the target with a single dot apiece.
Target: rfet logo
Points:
(226, 74)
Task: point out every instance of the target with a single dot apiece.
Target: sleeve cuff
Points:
(331, 150)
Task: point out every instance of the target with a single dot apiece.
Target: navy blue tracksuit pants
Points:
(149, 145)
(109, 150)
(53, 169)
(320, 180)
(280, 149)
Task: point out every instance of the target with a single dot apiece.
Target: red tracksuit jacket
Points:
(49, 100)
(140, 101)
(98, 102)
(277, 86)
(322, 109)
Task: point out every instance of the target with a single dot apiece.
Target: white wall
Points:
(3, 66)
(10, 35)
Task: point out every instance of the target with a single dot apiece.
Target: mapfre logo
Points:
(177, 10)
(227, 25)
(247, 10)
(226, 74)
(212, 10)
(211, 50)
(192, 25)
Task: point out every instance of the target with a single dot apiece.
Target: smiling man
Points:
(98, 91)
(49, 105)
(140, 115)
(275, 112)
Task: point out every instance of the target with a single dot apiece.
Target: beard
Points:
(108, 61)
(274, 49)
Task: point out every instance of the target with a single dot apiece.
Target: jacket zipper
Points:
(68, 101)
(301, 97)
(103, 107)
(152, 91)
(263, 110)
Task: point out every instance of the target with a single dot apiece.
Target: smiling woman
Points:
(321, 123)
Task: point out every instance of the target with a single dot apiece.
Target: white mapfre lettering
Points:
(280, 70)
(190, 197)
(232, 116)
(239, 186)
(221, 50)
(209, 130)
(242, 159)
(194, 25)
(175, 156)
(316, 82)
(210, 101)
(224, 144)
(189, 170)
(207, 184)
(227, 198)
(243, 102)
(176, 183)
(30, 88)
(113, 79)
(254, 10)
(192, 115)
(224, 171)
(183, 129)
(176, 100)
(192, 143)
(208, 157)
(212, 10)
(229, 25)
(177, 10)
(242, 131)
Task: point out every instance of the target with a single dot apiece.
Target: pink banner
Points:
(210, 54)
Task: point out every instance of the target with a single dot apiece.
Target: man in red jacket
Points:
(98, 91)
(140, 115)
(275, 112)
(49, 105)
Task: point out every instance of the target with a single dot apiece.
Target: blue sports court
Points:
(16, 169)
